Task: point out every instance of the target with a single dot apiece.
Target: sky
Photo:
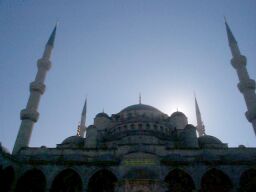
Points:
(110, 51)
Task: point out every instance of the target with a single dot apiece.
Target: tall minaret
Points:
(246, 85)
(82, 127)
(200, 125)
(30, 115)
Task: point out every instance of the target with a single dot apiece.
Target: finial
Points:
(50, 42)
(103, 110)
(139, 98)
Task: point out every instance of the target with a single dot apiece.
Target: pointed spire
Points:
(200, 125)
(50, 42)
(82, 127)
(85, 107)
(232, 41)
(231, 38)
(197, 107)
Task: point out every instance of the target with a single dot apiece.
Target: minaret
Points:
(82, 127)
(200, 125)
(246, 85)
(30, 115)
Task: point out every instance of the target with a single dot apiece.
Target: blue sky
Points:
(112, 50)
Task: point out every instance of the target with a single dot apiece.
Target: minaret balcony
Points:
(251, 113)
(44, 64)
(37, 86)
(246, 85)
(29, 114)
(239, 61)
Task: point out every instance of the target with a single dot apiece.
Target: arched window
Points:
(248, 181)
(179, 181)
(102, 181)
(215, 180)
(67, 181)
(33, 181)
(6, 179)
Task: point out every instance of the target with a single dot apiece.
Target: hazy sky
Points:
(112, 50)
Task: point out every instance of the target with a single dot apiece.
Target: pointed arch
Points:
(33, 181)
(102, 181)
(215, 180)
(6, 178)
(66, 181)
(248, 181)
(179, 181)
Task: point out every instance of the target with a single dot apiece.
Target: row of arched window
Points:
(141, 127)
(68, 180)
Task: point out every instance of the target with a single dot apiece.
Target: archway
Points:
(179, 181)
(215, 180)
(32, 180)
(248, 181)
(6, 179)
(67, 181)
(102, 181)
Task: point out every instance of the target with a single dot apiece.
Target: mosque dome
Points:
(74, 140)
(140, 107)
(208, 141)
(179, 120)
(177, 113)
(102, 115)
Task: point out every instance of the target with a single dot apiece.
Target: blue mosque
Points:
(137, 149)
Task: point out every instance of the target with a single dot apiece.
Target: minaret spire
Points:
(30, 115)
(246, 85)
(82, 127)
(200, 126)
(232, 41)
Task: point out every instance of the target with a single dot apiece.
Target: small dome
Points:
(138, 107)
(178, 113)
(207, 139)
(77, 140)
(102, 115)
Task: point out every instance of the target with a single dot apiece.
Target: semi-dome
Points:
(208, 141)
(75, 140)
(138, 107)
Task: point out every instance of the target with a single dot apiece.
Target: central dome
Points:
(139, 107)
